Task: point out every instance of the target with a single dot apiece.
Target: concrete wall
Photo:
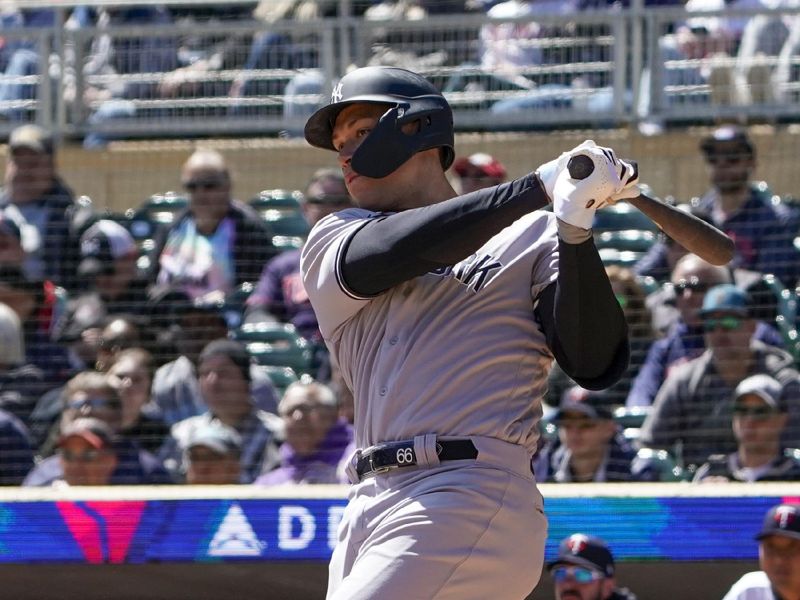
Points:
(128, 172)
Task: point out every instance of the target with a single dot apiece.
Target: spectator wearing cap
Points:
(18, 238)
(191, 325)
(86, 453)
(590, 446)
(131, 372)
(678, 307)
(762, 230)
(223, 371)
(478, 171)
(39, 306)
(218, 243)
(759, 418)
(91, 395)
(33, 185)
(693, 409)
(108, 269)
(316, 438)
(584, 569)
(21, 383)
(279, 293)
(778, 557)
(213, 456)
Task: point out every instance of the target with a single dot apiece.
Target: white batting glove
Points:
(576, 200)
(548, 172)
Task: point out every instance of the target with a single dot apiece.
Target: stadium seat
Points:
(276, 344)
(234, 305)
(159, 210)
(780, 307)
(630, 420)
(280, 377)
(622, 216)
(281, 210)
(663, 462)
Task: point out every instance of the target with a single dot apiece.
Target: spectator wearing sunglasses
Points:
(679, 304)
(763, 231)
(590, 445)
(584, 569)
(218, 243)
(692, 411)
(759, 418)
(91, 395)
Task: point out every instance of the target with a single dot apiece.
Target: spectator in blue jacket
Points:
(16, 452)
(684, 339)
(590, 446)
(763, 232)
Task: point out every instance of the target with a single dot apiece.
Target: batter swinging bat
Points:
(694, 234)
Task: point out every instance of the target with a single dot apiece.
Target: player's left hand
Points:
(576, 200)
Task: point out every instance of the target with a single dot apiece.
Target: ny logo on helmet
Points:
(336, 95)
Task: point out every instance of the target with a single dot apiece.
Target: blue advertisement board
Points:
(139, 531)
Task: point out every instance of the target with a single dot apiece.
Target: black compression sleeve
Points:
(407, 244)
(582, 319)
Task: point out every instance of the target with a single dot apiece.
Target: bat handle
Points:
(580, 166)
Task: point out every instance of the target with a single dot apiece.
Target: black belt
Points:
(394, 455)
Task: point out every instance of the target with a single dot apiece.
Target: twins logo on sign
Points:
(336, 95)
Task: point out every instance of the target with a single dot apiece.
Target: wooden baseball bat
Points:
(691, 232)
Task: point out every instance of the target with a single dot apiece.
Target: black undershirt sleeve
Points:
(398, 247)
(582, 319)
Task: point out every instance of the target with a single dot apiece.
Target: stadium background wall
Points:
(126, 173)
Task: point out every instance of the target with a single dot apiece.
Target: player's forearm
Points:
(408, 244)
(582, 319)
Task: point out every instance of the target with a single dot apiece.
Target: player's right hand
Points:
(576, 200)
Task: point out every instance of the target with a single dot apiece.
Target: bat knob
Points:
(580, 166)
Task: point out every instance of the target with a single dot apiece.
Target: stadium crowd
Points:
(198, 343)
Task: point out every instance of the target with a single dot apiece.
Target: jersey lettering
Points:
(475, 271)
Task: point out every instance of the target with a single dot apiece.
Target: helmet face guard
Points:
(410, 98)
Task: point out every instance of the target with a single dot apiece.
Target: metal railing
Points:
(594, 69)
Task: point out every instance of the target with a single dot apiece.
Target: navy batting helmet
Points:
(410, 97)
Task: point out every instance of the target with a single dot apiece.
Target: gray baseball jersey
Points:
(455, 352)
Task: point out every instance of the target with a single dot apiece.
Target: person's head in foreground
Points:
(584, 569)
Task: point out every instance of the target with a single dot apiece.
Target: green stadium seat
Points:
(159, 210)
(620, 217)
(281, 377)
(281, 210)
(276, 344)
(663, 462)
(632, 240)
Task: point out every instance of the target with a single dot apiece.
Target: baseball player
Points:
(445, 314)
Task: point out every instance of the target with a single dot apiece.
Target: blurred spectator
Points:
(108, 268)
(680, 306)
(114, 61)
(778, 557)
(16, 451)
(132, 374)
(90, 395)
(223, 370)
(120, 333)
(692, 413)
(218, 243)
(279, 293)
(18, 238)
(478, 171)
(762, 230)
(193, 325)
(584, 570)
(33, 185)
(38, 306)
(759, 418)
(21, 383)
(213, 455)
(86, 452)
(316, 438)
(590, 445)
